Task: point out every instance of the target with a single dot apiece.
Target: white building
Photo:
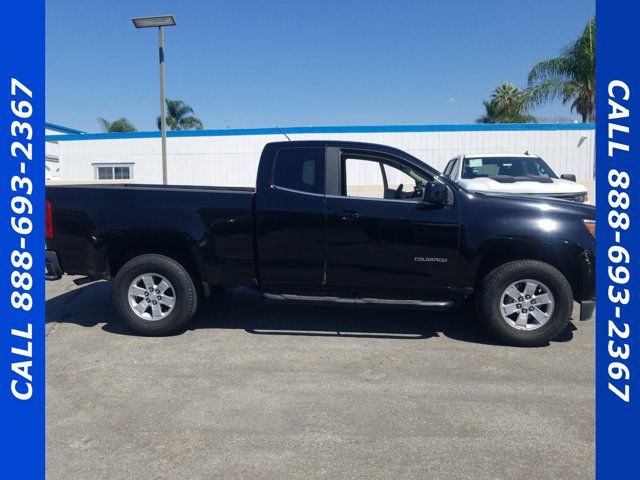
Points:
(52, 148)
(230, 157)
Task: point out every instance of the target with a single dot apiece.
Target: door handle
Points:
(349, 217)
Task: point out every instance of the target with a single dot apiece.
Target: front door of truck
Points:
(290, 221)
(381, 237)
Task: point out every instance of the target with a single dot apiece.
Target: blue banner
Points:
(618, 255)
(22, 380)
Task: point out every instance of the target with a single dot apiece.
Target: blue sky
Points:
(243, 64)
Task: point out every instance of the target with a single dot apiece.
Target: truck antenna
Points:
(282, 132)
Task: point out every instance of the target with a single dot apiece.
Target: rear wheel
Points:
(154, 295)
(525, 303)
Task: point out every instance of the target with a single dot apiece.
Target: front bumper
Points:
(53, 271)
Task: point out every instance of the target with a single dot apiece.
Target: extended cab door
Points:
(290, 217)
(381, 237)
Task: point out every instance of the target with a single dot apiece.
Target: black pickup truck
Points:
(330, 222)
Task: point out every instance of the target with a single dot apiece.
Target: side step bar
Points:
(427, 304)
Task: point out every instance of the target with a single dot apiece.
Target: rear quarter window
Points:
(300, 168)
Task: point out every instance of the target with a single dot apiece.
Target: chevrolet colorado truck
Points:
(330, 222)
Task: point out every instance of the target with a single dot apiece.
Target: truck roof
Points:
(336, 143)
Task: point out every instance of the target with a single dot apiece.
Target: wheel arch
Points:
(564, 257)
(183, 250)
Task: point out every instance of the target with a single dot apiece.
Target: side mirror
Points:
(436, 193)
(568, 176)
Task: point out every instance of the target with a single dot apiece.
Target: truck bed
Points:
(214, 224)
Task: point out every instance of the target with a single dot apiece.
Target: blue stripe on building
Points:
(60, 128)
(474, 127)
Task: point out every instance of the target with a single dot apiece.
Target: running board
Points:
(427, 304)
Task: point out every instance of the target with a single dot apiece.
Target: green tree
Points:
(507, 105)
(119, 125)
(570, 77)
(180, 117)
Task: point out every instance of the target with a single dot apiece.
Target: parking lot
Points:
(258, 390)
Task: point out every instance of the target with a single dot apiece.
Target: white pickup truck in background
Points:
(514, 174)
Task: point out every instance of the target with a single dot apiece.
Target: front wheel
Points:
(154, 295)
(525, 303)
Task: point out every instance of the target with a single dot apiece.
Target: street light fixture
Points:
(159, 22)
(162, 21)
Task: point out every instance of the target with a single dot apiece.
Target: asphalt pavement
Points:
(258, 390)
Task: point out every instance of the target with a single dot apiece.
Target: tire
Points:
(170, 313)
(512, 329)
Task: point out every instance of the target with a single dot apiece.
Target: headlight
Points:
(591, 226)
(581, 198)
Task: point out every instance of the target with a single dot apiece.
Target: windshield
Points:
(475, 167)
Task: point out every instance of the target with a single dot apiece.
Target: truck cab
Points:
(353, 218)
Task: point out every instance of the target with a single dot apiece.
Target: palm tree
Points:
(571, 76)
(507, 105)
(179, 118)
(119, 125)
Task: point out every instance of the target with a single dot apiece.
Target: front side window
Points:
(380, 178)
(363, 178)
(300, 168)
(113, 172)
(475, 167)
(396, 177)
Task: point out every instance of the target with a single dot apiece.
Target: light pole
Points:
(159, 22)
